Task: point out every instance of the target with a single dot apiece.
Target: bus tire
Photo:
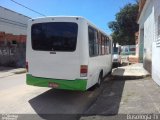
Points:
(110, 72)
(100, 78)
(98, 84)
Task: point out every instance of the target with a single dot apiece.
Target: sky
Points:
(99, 12)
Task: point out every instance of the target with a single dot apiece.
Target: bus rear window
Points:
(54, 36)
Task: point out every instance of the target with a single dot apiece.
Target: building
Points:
(149, 36)
(13, 30)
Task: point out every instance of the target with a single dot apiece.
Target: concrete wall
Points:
(147, 24)
(151, 53)
(141, 44)
(149, 31)
(13, 30)
(156, 46)
(13, 55)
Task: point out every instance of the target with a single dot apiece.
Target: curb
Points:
(19, 71)
(13, 72)
(130, 77)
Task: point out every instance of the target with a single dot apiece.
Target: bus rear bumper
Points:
(77, 84)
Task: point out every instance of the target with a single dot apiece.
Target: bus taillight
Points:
(27, 66)
(83, 70)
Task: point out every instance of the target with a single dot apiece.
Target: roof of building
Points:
(14, 12)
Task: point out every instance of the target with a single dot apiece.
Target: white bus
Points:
(66, 53)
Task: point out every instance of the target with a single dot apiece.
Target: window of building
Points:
(14, 42)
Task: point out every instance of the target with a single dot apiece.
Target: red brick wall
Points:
(12, 53)
(10, 37)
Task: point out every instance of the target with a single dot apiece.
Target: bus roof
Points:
(71, 17)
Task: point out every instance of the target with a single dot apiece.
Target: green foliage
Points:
(125, 25)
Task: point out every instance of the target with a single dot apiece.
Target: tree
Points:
(125, 25)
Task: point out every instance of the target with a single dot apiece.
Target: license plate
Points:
(53, 85)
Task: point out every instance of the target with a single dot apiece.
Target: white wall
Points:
(155, 48)
(156, 64)
(12, 22)
(149, 22)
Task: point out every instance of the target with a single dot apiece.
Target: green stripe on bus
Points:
(77, 84)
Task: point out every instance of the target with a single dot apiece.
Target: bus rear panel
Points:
(53, 54)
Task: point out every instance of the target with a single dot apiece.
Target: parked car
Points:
(116, 59)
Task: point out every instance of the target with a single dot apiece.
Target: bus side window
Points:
(91, 41)
(103, 45)
(110, 44)
(99, 43)
(106, 47)
(93, 45)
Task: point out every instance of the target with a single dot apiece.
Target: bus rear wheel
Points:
(99, 80)
(98, 84)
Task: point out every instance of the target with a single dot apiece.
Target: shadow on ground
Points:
(116, 65)
(109, 101)
(57, 104)
(63, 104)
(118, 71)
(122, 73)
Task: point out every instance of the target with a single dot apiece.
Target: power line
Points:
(12, 22)
(28, 8)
